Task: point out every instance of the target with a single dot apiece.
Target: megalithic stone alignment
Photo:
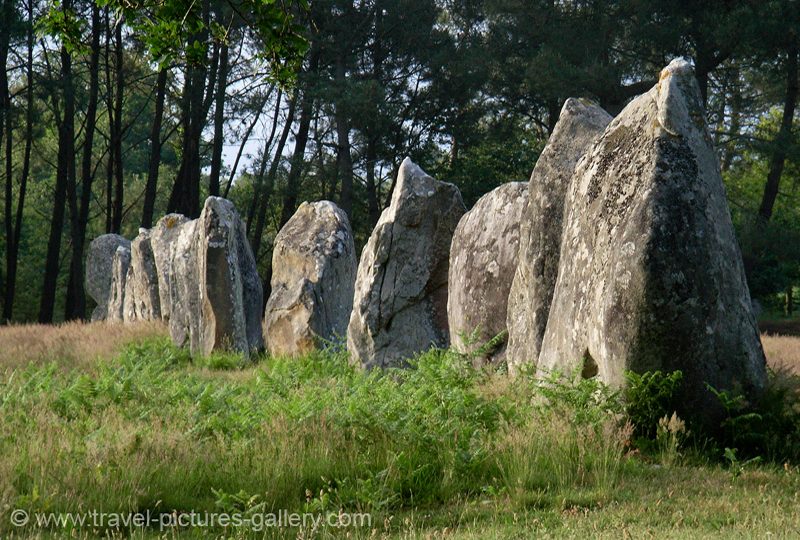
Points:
(200, 275)
(621, 256)
(313, 276)
(580, 124)
(483, 257)
(650, 274)
(400, 304)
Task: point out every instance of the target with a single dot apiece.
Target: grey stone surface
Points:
(184, 288)
(650, 275)
(579, 125)
(99, 260)
(483, 258)
(120, 264)
(313, 276)
(162, 239)
(400, 303)
(215, 292)
(142, 289)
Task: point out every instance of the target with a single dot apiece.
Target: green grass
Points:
(437, 451)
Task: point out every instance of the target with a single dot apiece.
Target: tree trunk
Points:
(373, 196)
(64, 176)
(219, 121)
(176, 198)
(783, 139)
(293, 180)
(300, 142)
(788, 306)
(5, 126)
(372, 187)
(735, 126)
(119, 180)
(151, 188)
(264, 198)
(13, 255)
(76, 296)
(344, 160)
(259, 179)
(185, 196)
(245, 139)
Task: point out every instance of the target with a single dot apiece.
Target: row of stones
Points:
(200, 275)
(618, 254)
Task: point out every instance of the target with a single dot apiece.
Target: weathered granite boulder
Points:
(313, 275)
(99, 261)
(120, 264)
(141, 286)
(580, 124)
(483, 257)
(162, 240)
(128, 302)
(184, 288)
(216, 295)
(400, 303)
(650, 273)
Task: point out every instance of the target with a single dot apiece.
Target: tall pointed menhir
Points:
(400, 304)
(650, 274)
(579, 125)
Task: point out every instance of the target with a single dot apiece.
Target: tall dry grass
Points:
(80, 345)
(783, 352)
(70, 345)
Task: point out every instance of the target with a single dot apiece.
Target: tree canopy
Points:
(113, 112)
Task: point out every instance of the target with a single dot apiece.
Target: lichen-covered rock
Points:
(120, 264)
(162, 240)
(483, 257)
(99, 262)
(580, 124)
(142, 299)
(215, 292)
(650, 274)
(230, 287)
(400, 303)
(313, 275)
(184, 287)
(128, 302)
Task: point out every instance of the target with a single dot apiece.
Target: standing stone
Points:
(651, 276)
(184, 287)
(128, 302)
(216, 294)
(142, 290)
(313, 275)
(483, 257)
(229, 283)
(580, 124)
(99, 261)
(120, 264)
(162, 240)
(400, 304)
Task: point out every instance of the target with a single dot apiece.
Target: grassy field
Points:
(114, 419)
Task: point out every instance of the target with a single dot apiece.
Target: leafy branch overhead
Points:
(175, 29)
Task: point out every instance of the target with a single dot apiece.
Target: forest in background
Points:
(114, 112)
